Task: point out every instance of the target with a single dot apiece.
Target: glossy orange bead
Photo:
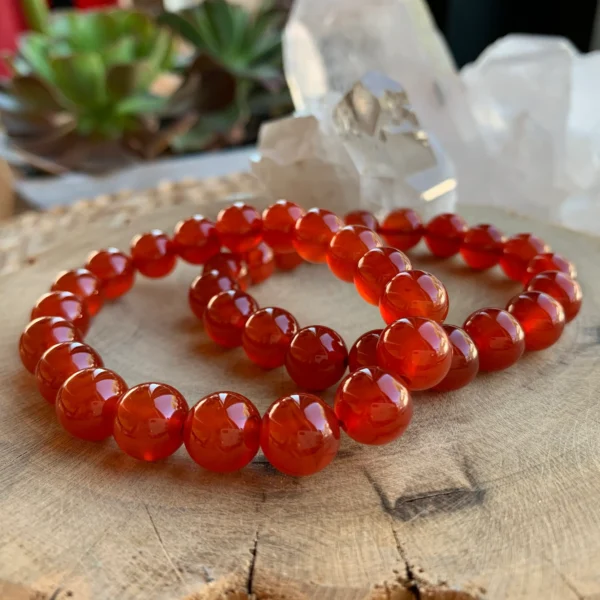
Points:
(414, 294)
(362, 217)
(300, 435)
(482, 247)
(376, 268)
(42, 334)
(347, 247)
(518, 252)
(498, 337)
(402, 229)
(444, 234)
(222, 432)
(226, 315)
(541, 317)
(114, 269)
(313, 233)
(153, 254)
(267, 336)
(372, 406)
(149, 421)
(288, 261)
(261, 263)
(416, 351)
(87, 401)
(85, 285)
(240, 227)
(549, 261)
(59, 362)
(205, 286)
(63, 304)
(231, 265)
(364, 351)
(279, 221)
(465, 360)
(562, 288)
(317, 358)
(196, 239)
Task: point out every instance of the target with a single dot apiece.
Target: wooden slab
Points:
(492, 492)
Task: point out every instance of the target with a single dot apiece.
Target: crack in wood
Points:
(250, 580)
(409, 583)
(566, 580)
(55, 594)
(162, 545)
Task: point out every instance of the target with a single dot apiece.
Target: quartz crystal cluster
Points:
(535, 103)
(366, 148)
(384, 119)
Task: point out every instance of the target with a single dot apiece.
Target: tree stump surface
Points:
(491, 493)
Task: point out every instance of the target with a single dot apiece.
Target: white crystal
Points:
(366, 148)
(397, 161)
(535, 101)
(329, 45)
(299, 161)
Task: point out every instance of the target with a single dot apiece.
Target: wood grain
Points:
(492, 492)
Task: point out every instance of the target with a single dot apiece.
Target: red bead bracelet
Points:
(299, 434)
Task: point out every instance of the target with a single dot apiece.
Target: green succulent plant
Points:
(84, 76)
(236, 72)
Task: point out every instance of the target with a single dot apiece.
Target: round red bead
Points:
(549, 261)
(205, 286)
(84, 284)
(261, 263)
(267, 336)
(196, 239)
(222, 432)
(87, 401)
(362, 217)
(66, 305)
(42, 334)
(317, 358)
(114, 269)
(482, 247)
(444, 234)
(300, 435)
(465, 360)
(562, 288)
(372, 406)
(313, 233)
(376, 268)
(415, 351)
(149, 421)
(279, 221)
(231, 265)
(59, 362)
(541, 317)
(402, 229)
(153, 254)
(239, 227)
(518, 252)
(288, 261)
(498, 337)
(347, 247)
(226, 315)
(364, 351)
(414, 294)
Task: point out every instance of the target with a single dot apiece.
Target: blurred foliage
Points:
(235, 74)
(82, 84)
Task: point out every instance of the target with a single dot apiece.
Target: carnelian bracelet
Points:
(299, 434)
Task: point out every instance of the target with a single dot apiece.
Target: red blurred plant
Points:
(84, 4)
(12, 23)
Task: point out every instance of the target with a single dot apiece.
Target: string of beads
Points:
(299, 434)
